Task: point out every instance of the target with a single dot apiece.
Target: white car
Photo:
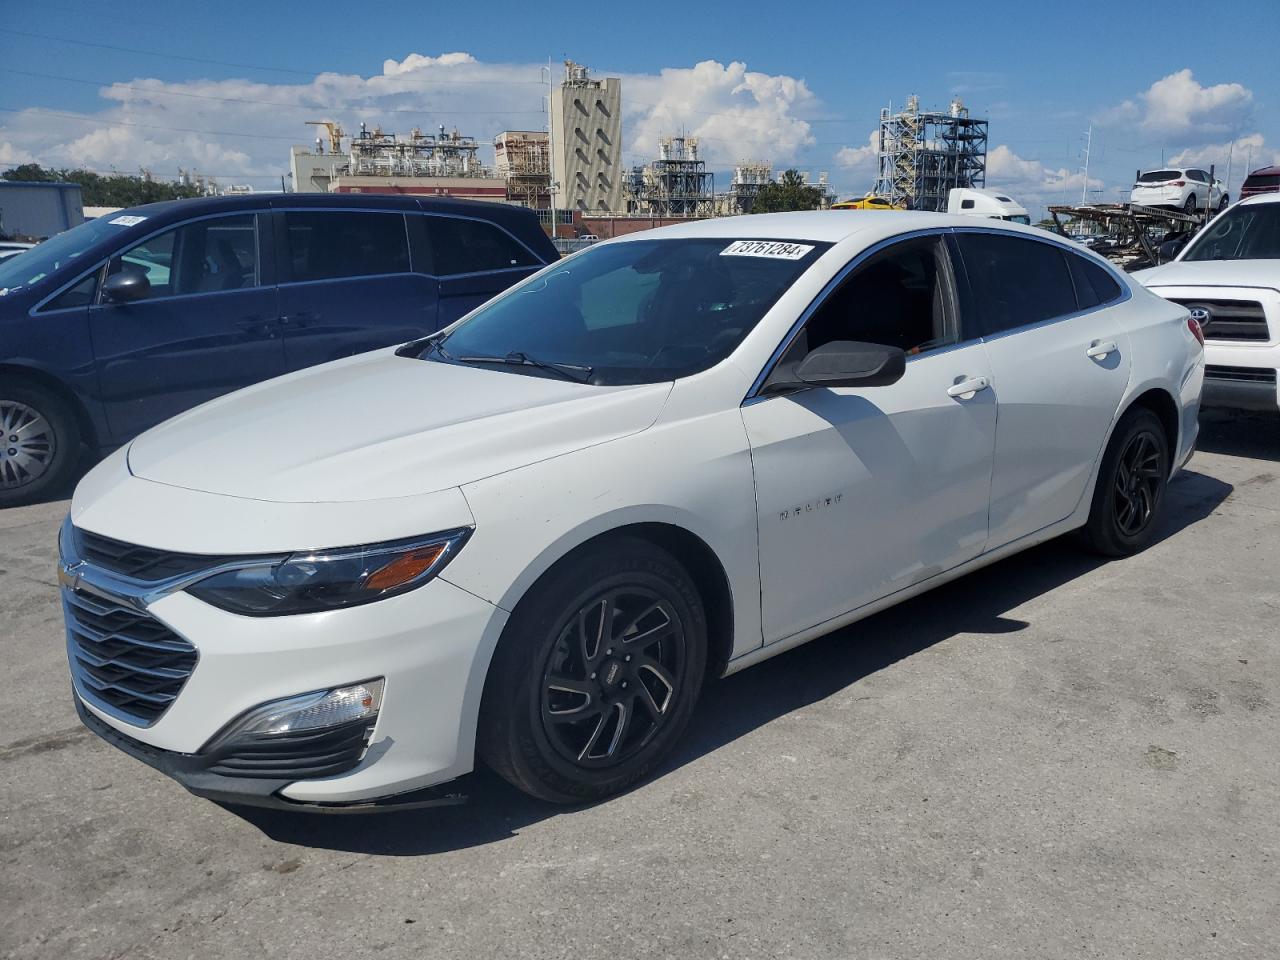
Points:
(531, 537)
(1229, 278)
(1188, 189)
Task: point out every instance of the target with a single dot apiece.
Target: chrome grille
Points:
(1231, 320)
(124, 661)
(140, 563)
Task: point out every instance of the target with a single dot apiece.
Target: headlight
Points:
(326, 580)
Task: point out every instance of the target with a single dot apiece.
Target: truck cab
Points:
(992, 204)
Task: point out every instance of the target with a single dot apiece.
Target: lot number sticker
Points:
(773, 249)
(127, 221)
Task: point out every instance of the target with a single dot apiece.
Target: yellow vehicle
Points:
(869, 202)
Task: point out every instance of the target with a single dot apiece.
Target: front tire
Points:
(39, 443)
(596, 674)
(1131, 485)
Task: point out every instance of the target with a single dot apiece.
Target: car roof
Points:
(1264, 171)
(823, 225)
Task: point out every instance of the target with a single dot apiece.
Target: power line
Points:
(222, 63)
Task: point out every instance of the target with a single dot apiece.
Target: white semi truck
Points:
(992, 204)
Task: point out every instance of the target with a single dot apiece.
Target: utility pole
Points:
(551, 146)
(1084, 187)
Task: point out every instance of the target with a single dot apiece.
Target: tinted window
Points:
(470, 246)
(1094, 286)
(1159, 176)
(1245, 232)
(80, 295)
(642, 311)
(1015, 281)
(326, 245)
(207, 256)
(897, 299)
(54, 254)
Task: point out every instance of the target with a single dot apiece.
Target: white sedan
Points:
(531, 538)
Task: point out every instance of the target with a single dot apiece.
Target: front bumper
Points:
(1240, 394)
(431, 645)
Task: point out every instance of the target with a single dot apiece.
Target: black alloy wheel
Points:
(1132, 478)
(1139, 479)
(1189, 207)
(612, 677)
(596, 674)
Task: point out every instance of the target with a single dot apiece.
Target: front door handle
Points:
(967, 388)
(1101, 349)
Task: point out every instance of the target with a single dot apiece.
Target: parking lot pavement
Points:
(1054, 757)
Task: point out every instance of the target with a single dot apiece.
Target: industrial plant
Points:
(923, 155)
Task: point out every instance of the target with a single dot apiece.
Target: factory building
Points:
(523, 159)
(923, 155)
(677, 184)
(586, 142)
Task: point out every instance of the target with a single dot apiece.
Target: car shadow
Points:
(976, 604)
(1240, 433)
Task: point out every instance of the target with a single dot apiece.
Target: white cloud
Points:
(1178, 110)
(1242, 154)
(1033, 183)
(243, 128)
(737, 114)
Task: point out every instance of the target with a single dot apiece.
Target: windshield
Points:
(1250, 232)
(642, 311)
(52, 255)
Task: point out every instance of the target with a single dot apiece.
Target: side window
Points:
(80, 295)
(898, 298)
(205, 256)
(472, 246)
(331, 244)
(1094, 286)
(1015, 282)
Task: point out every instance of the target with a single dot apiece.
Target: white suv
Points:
(1186, 188)
(1229, 278)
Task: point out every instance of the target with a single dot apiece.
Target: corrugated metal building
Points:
(35, 211)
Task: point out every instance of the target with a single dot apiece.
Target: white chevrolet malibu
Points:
(530, 538)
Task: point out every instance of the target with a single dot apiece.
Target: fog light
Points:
(321, 710)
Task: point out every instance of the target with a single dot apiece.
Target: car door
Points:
(861, 492)
(1059, 366)
(475, 260)
(348, 284)
(206, 326)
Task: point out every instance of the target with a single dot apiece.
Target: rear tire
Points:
(39, 443)
(1129, 495)
(1223, 203)
(1190, 206)
(596, 674)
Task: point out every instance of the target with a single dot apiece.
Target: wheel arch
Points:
(1160, 402)
(88, 429)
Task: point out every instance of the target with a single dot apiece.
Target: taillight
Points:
(1178, 183)
(1194, 326)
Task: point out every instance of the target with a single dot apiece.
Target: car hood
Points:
(1212, 273)
(378, 426)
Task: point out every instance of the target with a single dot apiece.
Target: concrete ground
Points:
(1055, 757)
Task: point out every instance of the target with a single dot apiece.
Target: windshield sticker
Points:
(127, 221)
(773, 249)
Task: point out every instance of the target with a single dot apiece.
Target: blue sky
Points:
(799, 85)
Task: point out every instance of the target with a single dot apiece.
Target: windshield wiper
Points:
(422, 347)
(570, 371)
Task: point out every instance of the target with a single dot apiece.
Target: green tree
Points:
(111, 190)
(789, 192)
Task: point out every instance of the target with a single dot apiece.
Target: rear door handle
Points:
(967, 388)
(1100, 349)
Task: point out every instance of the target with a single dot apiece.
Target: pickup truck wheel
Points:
(596, 675)
(39, 443)
(1131, 485)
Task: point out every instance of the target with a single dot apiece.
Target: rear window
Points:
(1159, 176)
(1259, 181)
(1095, 287)
(330, 244)
(1015, 282)
(474, 246)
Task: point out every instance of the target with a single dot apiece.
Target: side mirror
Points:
(126, 286)
(841, 363)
